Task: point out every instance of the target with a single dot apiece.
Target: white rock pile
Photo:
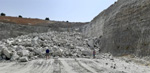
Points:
(28, 47)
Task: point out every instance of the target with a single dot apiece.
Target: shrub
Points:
(20, 16)
(47, 18)
(3, 14)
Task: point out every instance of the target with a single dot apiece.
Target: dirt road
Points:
(70, 65)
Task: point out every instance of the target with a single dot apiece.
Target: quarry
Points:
(119, 35)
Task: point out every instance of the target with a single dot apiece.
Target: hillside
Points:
(23, 21)
(14, 26)
(123, 28)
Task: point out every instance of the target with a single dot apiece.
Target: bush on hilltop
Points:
(3, 14)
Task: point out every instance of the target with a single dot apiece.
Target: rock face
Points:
(124, 28)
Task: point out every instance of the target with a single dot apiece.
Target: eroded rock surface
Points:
(123, 28)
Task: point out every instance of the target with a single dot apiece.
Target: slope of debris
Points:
(32, 46)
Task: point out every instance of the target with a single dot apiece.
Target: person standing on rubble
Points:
(47, 54)
(94, 52)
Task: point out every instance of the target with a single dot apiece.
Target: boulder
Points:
(32, 54)
(11, 50)
(3, 57)
(79, 53)
(57, 53)
(23, 59)
(27, 44)
(35, 41)
(23, 53)
(37, 52)
(18, 48)
(14, 56)
(19, 40)
(78, 38)
(86, 53)
(30, 48)
(7, 53)
(35, 57)
(9, 41)
(91, 43)
(71, 46)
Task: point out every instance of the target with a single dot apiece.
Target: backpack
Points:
(47, 50)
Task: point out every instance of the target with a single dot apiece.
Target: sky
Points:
(58, 10)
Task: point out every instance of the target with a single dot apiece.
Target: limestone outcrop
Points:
(123, 28)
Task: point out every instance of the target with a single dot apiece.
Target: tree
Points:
(67, 21)
(3, 14)
(47, 18)
(20, 16)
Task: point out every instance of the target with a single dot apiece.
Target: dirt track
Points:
(68, 65)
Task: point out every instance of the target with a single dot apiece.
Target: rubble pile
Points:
(33, 46)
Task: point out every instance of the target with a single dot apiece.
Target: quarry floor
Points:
(74, 65)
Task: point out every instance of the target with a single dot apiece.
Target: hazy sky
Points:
(60, 10)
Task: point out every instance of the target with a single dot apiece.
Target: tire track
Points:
(66, 67)
(35, 65)
(83, 65)
(41, 66)
(49, 68)
(76, 67)
(27, 68)
(44, 66)
(99, 68)
(56, 65)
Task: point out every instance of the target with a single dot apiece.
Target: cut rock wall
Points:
(124, 28)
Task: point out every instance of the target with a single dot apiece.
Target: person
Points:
(47, 54)
(94, 52)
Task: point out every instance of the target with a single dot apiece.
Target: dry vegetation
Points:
(25, 21)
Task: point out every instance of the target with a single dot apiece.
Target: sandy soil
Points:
(73, 65)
